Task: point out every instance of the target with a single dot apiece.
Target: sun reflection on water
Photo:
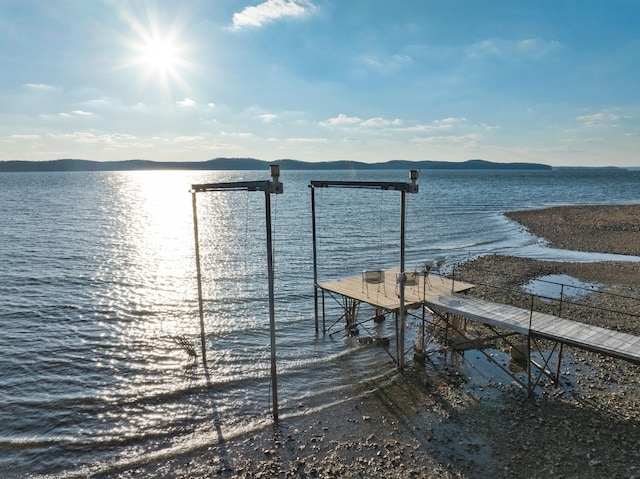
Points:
(152, 295)
(147, 275)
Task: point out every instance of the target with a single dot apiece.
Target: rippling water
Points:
(98, 275)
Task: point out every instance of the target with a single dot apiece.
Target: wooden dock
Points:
(382, 290)
(526, 322)
(385, 295)
(443, 296)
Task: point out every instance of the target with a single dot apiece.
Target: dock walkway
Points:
(523, 321)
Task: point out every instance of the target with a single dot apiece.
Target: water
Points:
(559, 286)
(98, 274)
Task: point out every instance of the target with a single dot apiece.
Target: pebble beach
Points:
(424, 423)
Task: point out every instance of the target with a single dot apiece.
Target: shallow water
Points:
(558, 286)
(98, 275)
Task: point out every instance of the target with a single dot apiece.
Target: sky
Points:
(546, 81)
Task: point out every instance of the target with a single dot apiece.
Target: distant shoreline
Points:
(227, 164)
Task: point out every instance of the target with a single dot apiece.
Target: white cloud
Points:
(120, 136)
(68, 115)
(385, 63)
(343, 119)
(89, 137)
(268, 117)
(397, 124)
(186, 103)
(598, 120)
(436, 125)
(531, 48)
(141, 107)
(271, 10)
(450, 121)
(98, 102)
(467, 140)
(238, 134)
(487, 127)
(306, 140)
(39, 87)
(223, 146)
(380, 122)
(187, 139)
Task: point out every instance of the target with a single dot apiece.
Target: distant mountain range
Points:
(253, 164)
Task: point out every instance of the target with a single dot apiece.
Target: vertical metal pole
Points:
(529, 385)
(324, 325)
(315, 257)
(395, 315)
(559, 364)
(453, 280)
(402, 282)
(424, 307)
(272, 318)
(561, 295)
(199, 275)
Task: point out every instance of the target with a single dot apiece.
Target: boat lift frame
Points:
(268, 187)
(403, 188)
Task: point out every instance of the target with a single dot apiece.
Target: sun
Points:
(158, 52)
(160, 55)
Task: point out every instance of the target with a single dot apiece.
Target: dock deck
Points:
(385, 295)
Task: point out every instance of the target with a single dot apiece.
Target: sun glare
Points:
(158, 51)
(160, 55)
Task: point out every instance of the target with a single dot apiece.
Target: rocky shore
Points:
(598, 228)
(428, 423)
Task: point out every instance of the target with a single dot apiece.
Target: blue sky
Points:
(555, 82)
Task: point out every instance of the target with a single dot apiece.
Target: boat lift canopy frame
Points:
(268, 187)
(403, 188)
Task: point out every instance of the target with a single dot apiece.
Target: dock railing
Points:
(598, 305)
(578, 303)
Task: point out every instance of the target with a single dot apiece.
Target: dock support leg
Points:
(272, 320)
(199, 277)
(324, 317)
(398, 347)
(557, 379)
(446, 328)
(315, 306)
(315, 260)
(402, 312)
(529, 382)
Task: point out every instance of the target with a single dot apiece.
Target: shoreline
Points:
(427, 423)
(596, 228)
